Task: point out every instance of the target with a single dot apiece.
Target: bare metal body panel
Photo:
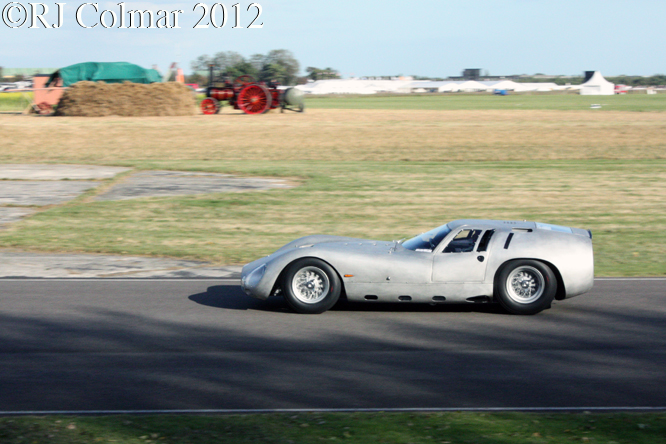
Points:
(386, 271)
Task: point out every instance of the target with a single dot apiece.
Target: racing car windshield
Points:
(427, 241)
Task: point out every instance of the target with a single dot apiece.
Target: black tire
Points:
(525, 287)
(310, 286)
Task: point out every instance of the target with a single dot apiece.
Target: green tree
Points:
(278, 65)
(322, 74)
(273, 72)
(222, 61)
(257, 61)
(289, 66)
(240, 69)
(201, 63)
(226, 60)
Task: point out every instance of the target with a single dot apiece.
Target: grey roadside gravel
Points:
(45, 265)
(13, 214)
(179, 183)
(23, 186)
(58, 172)
(42, 192)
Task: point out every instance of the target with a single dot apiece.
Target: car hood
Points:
(322, 242)
(320, 239)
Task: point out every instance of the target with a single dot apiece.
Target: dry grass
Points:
(374, 174)
(334, 135)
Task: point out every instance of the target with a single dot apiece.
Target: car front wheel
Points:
(310, 286)
(525, 287)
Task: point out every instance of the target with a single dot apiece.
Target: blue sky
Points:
(369, 38)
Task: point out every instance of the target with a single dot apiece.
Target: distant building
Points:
(25, 72)
(475, 75)
(471, 74)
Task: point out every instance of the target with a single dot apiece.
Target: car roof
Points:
(496, 224)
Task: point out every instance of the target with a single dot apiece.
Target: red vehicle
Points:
(250, 96)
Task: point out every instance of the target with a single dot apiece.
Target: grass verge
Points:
(476, 101)
(444, 428)
(621, 202)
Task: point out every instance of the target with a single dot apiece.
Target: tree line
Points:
(655, 80)
(278, 65)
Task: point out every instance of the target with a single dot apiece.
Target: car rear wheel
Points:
(525, 287)
(310, 286)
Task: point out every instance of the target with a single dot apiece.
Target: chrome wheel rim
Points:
(525, 285)
(310, 285)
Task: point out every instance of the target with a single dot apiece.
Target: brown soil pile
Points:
(99, 99)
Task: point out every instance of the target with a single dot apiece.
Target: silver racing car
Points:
(522, 265)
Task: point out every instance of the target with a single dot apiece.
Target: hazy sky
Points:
(363, 38)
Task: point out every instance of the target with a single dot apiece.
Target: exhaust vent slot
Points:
(508, 241)
(438, 298)
(404, 298)
(371, 297)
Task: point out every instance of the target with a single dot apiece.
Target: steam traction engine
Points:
(250, 96)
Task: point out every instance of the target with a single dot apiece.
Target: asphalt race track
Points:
(91, 345)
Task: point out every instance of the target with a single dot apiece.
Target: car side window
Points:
(485, 240)
(463, 242)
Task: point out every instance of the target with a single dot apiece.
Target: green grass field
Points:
(361, 428)
(622, 203)
(472, 101)
(15, 101)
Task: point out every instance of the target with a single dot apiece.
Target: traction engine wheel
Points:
(254, 99)
(210, 106)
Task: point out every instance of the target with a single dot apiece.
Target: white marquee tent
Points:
(370, 86)
(356, 86)
(597, 86)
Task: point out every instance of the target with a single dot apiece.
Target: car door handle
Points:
(480, 258)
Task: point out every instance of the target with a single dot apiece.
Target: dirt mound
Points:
(99, 99)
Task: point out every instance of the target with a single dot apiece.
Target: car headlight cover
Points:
(255, 276)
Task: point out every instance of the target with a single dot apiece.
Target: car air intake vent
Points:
(371, 297)
(404, 298)
(438, 298)
(479, 299)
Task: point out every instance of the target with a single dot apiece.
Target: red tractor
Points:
(250, 96)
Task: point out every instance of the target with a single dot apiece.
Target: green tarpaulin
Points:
(109, 72)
